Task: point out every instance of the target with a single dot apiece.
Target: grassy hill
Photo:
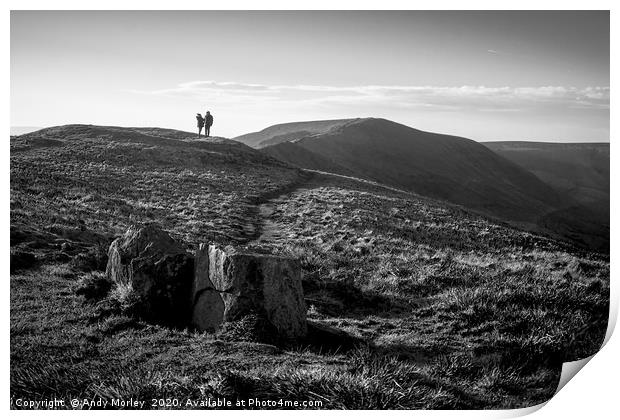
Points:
(281, 133)
(446, 167)
(291, 152)
(414, 303)
(105, 178)
(561, 190)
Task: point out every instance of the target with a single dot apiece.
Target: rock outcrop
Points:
(154, 271)
(231, 284)
(162, 282)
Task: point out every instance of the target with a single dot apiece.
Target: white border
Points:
(593, 394)
(310, 5)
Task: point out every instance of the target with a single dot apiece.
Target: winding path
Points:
(266, 229)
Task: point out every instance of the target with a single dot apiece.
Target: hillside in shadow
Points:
(454, 169)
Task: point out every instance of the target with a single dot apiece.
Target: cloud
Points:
(480, 98)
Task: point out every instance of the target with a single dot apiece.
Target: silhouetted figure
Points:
(208, 123)
(201, 123)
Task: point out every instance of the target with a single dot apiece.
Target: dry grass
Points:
(452, 310)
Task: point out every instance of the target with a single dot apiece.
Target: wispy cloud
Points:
(479, 98)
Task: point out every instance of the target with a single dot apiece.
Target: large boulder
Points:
(208, 305)
(153, 272)
(231, 284)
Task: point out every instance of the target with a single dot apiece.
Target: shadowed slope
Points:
(576, 170)
(290, 131)
(436, 165)
(304, 158)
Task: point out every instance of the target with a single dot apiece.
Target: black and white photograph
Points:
(306, 209)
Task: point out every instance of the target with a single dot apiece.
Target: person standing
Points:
(201, 123)
(208, 123)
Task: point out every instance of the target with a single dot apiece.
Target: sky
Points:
(485, 75)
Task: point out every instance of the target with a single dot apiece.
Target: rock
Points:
(138, 242)
(154, 271)
(230, 285)
(208, 311)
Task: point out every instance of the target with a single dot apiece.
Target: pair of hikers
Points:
(205, 122)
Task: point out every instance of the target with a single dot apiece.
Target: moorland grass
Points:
(436, 306)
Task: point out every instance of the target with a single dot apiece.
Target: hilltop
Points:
(446, 308)
(281, 133)
(106, 178)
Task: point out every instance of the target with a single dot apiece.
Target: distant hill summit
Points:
(281, 133)
(451, 168)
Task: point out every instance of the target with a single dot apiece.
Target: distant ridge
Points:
(579, 171)
(291, 131)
